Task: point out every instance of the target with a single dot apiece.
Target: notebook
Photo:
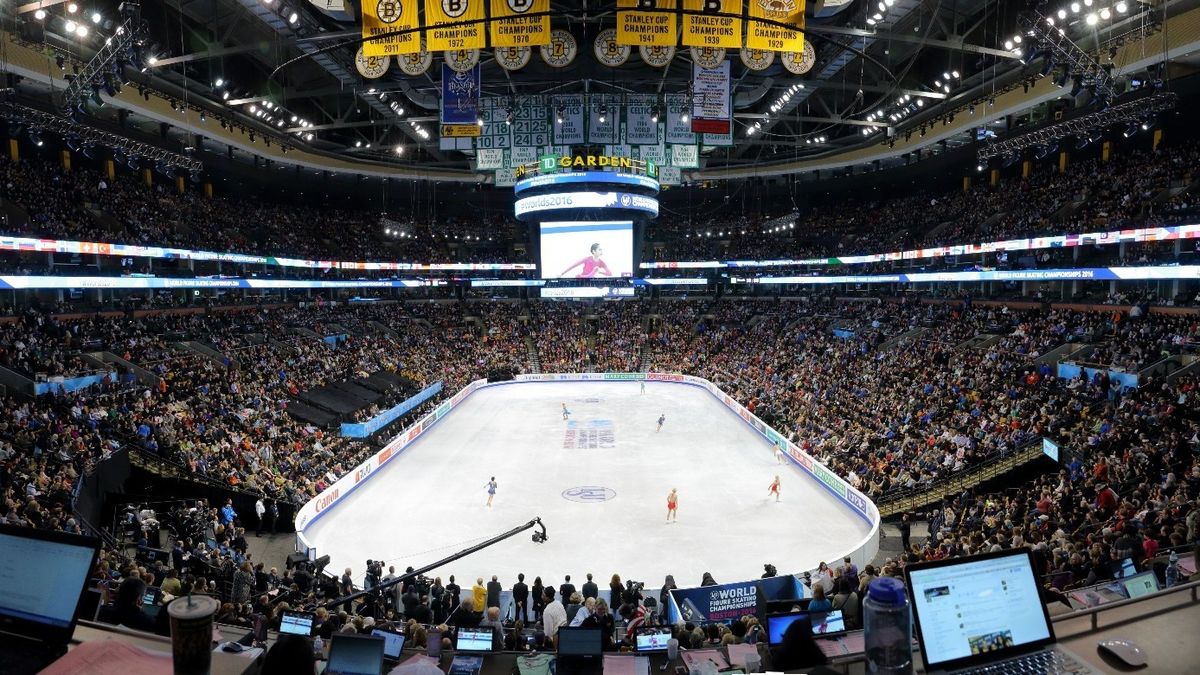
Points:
(42, 579)
(352, 654)
(984, 611)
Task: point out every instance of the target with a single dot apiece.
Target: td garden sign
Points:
(548, 164)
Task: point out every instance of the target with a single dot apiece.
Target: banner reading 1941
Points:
(386, 16)
(512, 27)
(441, 37)
(651, 29)
(710, 30)
(774, 38)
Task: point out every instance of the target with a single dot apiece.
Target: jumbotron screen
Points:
(587, 249)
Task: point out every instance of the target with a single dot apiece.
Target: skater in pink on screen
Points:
(774, 489)
(672, 504)
(592, 265)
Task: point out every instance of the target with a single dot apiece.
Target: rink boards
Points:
(862, 553)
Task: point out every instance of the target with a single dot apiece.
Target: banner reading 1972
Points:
(441, 37)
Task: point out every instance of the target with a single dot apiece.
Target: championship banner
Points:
(685, 156)
(706, 604)
(773, 38)
(678, 124)
(506, 177)
(489, 159)
(700, 30)
(441, 37)
(568, 120)
(710, 104)
(460, 96)
(640, 126)
(670, 175)
(606, 131)
(510, 27)
(646, 28)
(386, 16)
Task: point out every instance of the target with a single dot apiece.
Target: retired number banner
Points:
(386, 16)
(510, 27)
(652, 29)
(701, 30)
(774, 38)
(443, 38)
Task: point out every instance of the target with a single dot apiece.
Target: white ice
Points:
(429, 502)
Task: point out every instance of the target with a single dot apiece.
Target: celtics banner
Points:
(510, 27)
(700, 30)
(442, 37)
(386, 16)
(640, 126)
(649, 29)
(679, 128)
(489, 159)
(568, 120)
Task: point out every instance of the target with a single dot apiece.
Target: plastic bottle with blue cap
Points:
(887, 628)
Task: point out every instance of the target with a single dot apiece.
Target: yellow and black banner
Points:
(440, 37)
(461, 130)
(712, 31)
(386, 16)
(510, 27)
(650, 29)
(775, 38)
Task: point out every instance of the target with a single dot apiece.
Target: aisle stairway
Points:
(925, 496)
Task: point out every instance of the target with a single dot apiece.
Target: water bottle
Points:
(318, 647)
(887, 628)
(1172, 569)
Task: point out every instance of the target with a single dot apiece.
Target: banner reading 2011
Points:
(650, 29)
(387, 16)
(771, 37)
(440, 37)
(511, 25)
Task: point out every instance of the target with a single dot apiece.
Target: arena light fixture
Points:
(70, 26)
(97, 17)
(40, 15)
(72, 7)
(1122, 7)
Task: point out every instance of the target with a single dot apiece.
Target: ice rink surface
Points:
(429, 502)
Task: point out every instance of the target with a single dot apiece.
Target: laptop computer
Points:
(827, 624)
(1141, 584)
(580, 650)
(985, 611)
(777, 625)
(151, 600)
(393, 643)
(296, 623)
(474, 640)
(650, 639)
(351, 654)
(42, 579)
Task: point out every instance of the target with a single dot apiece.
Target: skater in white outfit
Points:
(643, 386)
(491, 488)
(779, 455)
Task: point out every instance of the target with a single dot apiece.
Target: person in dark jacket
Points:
(493, 592)
(567, 589)
(798, 650)
(421, 612)
(603, 619)
(520, 593)
(589, 589)
(126, 608)
(616, 590)
(539, 598)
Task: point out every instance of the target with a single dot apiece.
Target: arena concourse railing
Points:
(861, 554)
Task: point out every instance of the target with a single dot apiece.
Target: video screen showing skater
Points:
(587, 250)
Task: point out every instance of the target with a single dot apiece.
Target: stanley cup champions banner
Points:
(772, 38)
(385, 16)
(644, 28)
(710, 30)
(441, 37)
(512, 27)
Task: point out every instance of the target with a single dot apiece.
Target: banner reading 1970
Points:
(512, 27)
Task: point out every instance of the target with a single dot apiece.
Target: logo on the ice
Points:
(589, 494)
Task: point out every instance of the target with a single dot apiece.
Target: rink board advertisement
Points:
(861, 554)
(714, 604)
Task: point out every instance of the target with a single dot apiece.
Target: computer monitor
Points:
(351, 654)
(827, 623)
(474, 640)
(296, 623)
(393, 642)
(652, 638)
(579, 641)
(1126, 568)
(777, 625)
(151, 601)
(42, 581)
(1140, 584)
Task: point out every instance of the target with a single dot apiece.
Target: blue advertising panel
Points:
(710, 604)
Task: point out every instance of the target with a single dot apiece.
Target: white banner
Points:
(506, 177)
(489, 160)
(653, 153)
(678, 122)
(524, 155)
(606, 131)
(709, 141)
(619, 150)
(640, 126)
(568, 120)
(711, 105)
(670, 175)
(686, 156)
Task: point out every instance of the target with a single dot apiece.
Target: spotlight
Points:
(1074, 7)
(81, 31)
(72, 8)
(293, 18)
(1105, 14)
(1091, 19)
(219, 83)
(1122, 7)
(683, 117)
(40, 14)
(399, 149)
(603, 112)
(97, 17)
(60, 61)
(70, 26)
(1131, 129)
(1062, 14)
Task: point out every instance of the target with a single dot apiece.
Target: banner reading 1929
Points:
(441, 37)
(651, 29)
(774, 38)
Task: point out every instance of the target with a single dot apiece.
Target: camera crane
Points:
(538, 538)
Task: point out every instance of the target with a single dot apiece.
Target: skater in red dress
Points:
(672, 503)
(774, 489)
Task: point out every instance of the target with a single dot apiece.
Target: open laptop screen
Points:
(1140, 584)
(393, 642)
(474, 640)
(977, 609)
(579, 641)
(351, 654)
(296, 623)
(42, 576)
(777, 625)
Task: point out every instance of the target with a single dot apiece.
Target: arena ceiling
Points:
(286, 70)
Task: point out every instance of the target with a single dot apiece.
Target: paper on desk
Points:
(850, 643)
(695, 657)
(616, 664)
(739, 652)
(111, 657)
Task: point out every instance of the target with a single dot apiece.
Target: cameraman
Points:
(374, 574)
